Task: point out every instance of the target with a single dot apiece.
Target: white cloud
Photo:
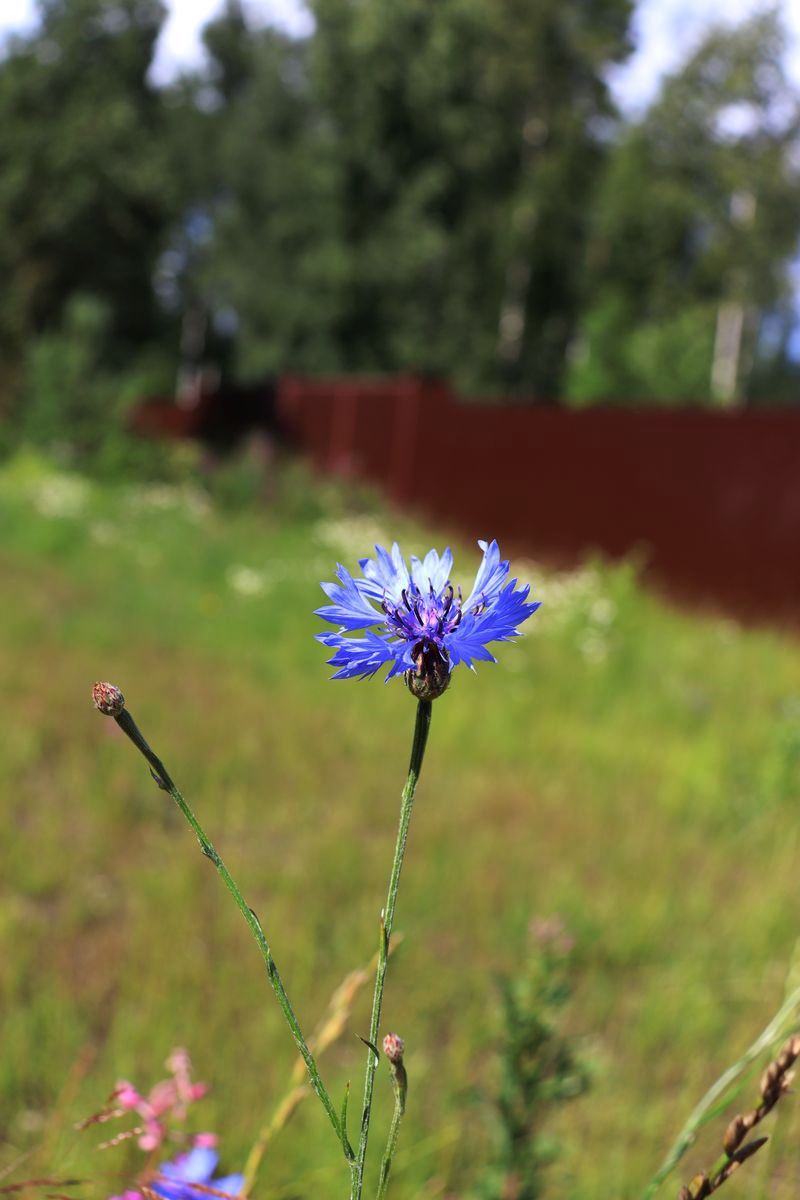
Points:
(180, 44)
(17, 16)
(666, 31)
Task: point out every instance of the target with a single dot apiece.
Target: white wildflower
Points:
(603, 611)
(593, 648)
(61, 496)
(348, 536)
(246, 581)
(104, 533)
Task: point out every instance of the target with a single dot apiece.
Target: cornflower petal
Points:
(490, 578)
(195, 1166)
(230, 1184)
(350, 609)
(384, 576)
(185, 1176)
(357, 657)
(497, 623)
(433, 571)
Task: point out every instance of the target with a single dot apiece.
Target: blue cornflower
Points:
(190, 1176)
(414, 621)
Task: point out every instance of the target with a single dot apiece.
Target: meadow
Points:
(627, 766)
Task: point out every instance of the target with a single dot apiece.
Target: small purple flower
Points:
(190, 1175)
(414, 621)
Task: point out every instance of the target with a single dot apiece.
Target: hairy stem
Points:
(330, 1029)
(400, 1086)
(164, 781)
(387, 921)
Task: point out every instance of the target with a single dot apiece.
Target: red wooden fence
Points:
(709, 500)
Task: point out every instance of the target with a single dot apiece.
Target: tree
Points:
(694, 231)
(409, 187)
(85, 189)
(270, 269)
(468, 137)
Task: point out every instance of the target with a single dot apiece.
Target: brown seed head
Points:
(734, 1134)
(790, 1051)
(108, 699)
(750, 1149)
(393, 1048)
(769, 1079)
(700, 1186)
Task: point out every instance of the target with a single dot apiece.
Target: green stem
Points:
(399, 1083)
(164, 781)
(417, 754)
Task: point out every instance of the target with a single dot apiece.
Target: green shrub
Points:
(73, 405)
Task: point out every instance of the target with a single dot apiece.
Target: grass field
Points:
(629, 767)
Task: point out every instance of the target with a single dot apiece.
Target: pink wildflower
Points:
(126, 1095)
(207, 1141)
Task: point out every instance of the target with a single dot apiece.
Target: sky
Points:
(664, 31)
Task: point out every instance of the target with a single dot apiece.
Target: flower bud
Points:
(126, 1095)
(393, 1048)
(108, 699)
(431, 676)
(206, 1141)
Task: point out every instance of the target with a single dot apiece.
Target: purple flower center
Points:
(422, 617)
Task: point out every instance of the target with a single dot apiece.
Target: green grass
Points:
(628, 766)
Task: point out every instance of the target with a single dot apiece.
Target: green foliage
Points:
(411, 156)
(74, 406)
(67, 397)
(238, 482)
(448, 188)
(434, 187)
(657, 361)
(697, 210)
(631, 767)
(275, 259)
(538, 1066)
(84, 182)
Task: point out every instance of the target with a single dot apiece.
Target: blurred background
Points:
(281, 281)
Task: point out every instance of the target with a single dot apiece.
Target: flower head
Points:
(160, 1112)
(415, 622)
(189, 1175)
(394, 1047)
(108, 699)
